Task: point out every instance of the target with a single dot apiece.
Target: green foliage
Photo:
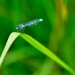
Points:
(35, 44)
(56, 32)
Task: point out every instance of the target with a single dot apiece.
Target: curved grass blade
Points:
(10, 40)
(38, 46)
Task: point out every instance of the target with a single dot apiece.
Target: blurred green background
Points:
(56, 32)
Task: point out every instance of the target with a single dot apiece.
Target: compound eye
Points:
(17, 27)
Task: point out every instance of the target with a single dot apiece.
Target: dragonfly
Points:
(30, 23)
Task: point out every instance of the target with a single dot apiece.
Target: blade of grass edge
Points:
(10, 40)
(47, 52)
(35, 44)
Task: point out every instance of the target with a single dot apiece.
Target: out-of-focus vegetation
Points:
(56, 32)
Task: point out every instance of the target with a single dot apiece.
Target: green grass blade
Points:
(37, 45)
(46, 51)
(10, 40)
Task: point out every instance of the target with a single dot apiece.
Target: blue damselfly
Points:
(30, 23)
